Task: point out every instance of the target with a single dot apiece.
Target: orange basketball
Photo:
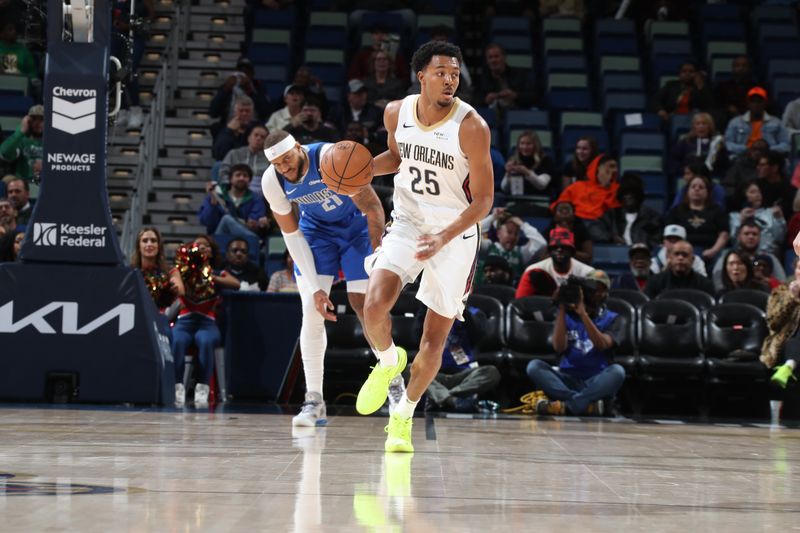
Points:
(346, 167)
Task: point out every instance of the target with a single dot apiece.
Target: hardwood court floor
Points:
(100, 470)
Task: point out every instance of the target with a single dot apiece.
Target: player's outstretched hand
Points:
(428, 246)
(324, 305)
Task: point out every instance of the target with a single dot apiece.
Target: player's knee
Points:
(377, 304)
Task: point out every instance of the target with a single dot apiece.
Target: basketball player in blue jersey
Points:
(443, 187)
(333, 232)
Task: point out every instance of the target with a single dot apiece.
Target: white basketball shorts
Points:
(446, 277)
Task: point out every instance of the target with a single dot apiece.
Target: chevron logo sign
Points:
(74, 117)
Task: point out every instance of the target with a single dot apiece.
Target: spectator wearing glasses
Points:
(679, 273)
(237, 262)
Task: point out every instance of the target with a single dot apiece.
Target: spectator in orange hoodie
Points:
(595, 195)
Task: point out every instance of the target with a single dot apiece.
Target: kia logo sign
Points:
(124, 313)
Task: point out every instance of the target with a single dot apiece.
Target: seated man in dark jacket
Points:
(633, 221)
(679, 273)
(233, 209)
(237, 262)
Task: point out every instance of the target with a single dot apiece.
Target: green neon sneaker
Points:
(374, 391)
(782, 375)
(399, 430)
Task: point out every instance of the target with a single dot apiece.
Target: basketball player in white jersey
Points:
(439, 150)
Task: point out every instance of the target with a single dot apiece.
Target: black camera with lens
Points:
(570, 293)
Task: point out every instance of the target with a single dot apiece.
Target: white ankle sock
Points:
(405, 408)
(791, 363)
(387, 357)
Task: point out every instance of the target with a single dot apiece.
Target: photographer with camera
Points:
(585, 334)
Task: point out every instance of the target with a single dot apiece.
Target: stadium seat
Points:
(268, 18)
(669, 340)
(640, 163)
(490, 346)
(505, 294)
(272, 36)
(326, 37)
(606, 256)
(678, 125)
(723, 30)
(562, 99)
(509, 25)
(655, 29)
(771, 13)
(717, 12)
(348, 355)
(612, 26)
(269, 54)
(527, 119)
(673, 46)
(529, 332)
(635, 298)
(623, 101)
(619, 64)
(621, 82)
(699, 299)
(427, 22)
(625, 351)
(561, 26)
(636, 122)
(513, 43)
(563, 44)
(564, 63)
(566, 80)
(725, 49)
(580, 119)
(520, 61)
(616, 45)
(642, 143)
(15, 105)
(734, 333)
(753, 297)
(13, 84)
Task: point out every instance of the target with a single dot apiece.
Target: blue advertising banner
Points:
(71, 221)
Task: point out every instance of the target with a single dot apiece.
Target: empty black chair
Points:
(490, 347)
(635, 298)
(625, 352)
(734, 333)
(746, 296)
(669, 341)
(348, 355)
(529, 332)
(404, 315)
(503, 293)
(701, 300)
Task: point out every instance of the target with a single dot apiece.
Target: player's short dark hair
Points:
(241, 167)
(422, 57)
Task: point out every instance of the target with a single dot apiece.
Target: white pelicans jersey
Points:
(432, 185)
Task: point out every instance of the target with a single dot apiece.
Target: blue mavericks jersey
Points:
(317, 203)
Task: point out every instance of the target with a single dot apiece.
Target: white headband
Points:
(277, 150)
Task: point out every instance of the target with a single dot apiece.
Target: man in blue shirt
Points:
(585, 334)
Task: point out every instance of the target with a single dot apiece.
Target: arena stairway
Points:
(185, 161)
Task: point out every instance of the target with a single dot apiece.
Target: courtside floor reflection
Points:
(240, 468)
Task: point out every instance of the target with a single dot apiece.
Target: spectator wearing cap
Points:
(564, 217)
(234, 134)
(595, 195)
(240, 83)
(251, 155)
(585, 335)
(310, 128)
(293, 98)
(706, 224)
(382, 83)
(678, 273)
(755, 124)
(689, 92)
(763, 271)
(497, 271)
(559, 266)
(23, 148)
(672, 234)
(632, 221)
(507, 244)
(732, 93)
(357, 109)
(639, 261)
(502, 86)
